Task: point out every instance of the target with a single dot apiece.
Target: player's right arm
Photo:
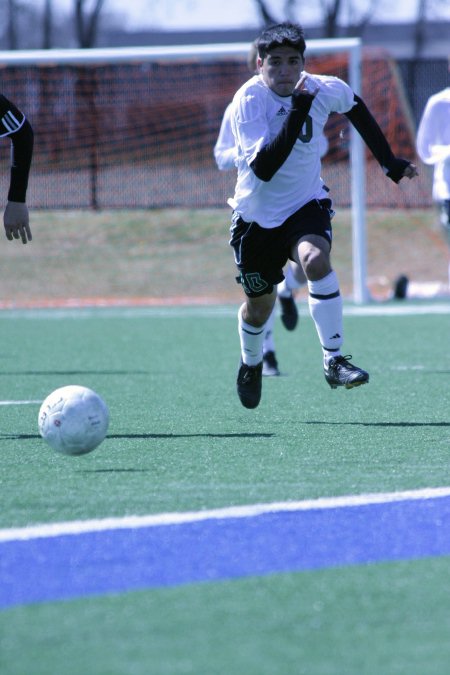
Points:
(13, 124)
(273, 154)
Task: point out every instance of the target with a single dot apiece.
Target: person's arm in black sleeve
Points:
(21, 155)
(273, 155)
(16, 217)
(366, 125)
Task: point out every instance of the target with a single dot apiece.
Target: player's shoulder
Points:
(10, 116)
(250, 98)
(334, 95)
(252, 87)
(331, 82)
(442, 96)
(4, 104)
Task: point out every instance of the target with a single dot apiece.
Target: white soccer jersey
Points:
(433, 141)
(11, 119)
(257, 115)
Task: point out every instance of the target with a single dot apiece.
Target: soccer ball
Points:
(73, 420)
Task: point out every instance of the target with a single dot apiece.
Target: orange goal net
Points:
(139, 133)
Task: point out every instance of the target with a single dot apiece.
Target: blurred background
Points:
(139, 134)
(96, 124)
(415, 32)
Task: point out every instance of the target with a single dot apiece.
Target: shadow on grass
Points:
(25, 437)
(381, 424)
(71, 373)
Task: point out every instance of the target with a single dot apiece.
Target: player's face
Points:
(281, 69)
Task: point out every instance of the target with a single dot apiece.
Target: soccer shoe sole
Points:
(347, 385)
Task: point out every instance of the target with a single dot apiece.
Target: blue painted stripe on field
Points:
(112, 561)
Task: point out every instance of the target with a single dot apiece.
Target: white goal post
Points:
(351, 47)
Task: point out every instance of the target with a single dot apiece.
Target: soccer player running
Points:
(281, 208)
(13, 124)
(433, 148)
(225, 154)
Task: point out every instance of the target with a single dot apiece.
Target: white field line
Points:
(19, 402)
(248, 511)
(202, 311)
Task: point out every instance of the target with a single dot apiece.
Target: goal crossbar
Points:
(201, 53)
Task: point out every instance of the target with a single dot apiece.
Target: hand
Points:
(401, 168)
(410, 171)
(16, 222)
(307, 85)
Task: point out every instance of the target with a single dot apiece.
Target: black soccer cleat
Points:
(339, 372)
(289, 312)
(401, 287)
(249, 384)
(270, 365)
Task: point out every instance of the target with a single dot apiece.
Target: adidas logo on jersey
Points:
(282, 112)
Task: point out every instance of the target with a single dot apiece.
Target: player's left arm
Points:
(364, 122)
(21, 135)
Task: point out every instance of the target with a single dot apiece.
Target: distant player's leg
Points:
(294, 278)
(400, 290)
(444, 214)
(270, 363)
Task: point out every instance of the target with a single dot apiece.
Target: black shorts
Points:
(260, 254)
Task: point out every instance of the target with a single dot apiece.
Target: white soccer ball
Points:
(73, 420)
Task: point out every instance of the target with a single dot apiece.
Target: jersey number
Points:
(306, 131)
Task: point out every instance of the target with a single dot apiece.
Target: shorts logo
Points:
(253, 283)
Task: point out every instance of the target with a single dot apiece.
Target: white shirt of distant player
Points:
(257, 114)
(433, 141)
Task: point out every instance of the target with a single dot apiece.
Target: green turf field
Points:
(179, 440)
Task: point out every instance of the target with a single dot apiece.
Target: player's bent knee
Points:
(316, 264)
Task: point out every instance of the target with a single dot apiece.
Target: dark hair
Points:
(281, 35)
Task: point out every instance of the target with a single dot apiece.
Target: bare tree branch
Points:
(358, 20)
(47, 21)
(12, 24)
(266, 16)
(87, 24)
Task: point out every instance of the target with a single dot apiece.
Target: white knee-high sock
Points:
(325, 306)
(269, 343)
(251, 341)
